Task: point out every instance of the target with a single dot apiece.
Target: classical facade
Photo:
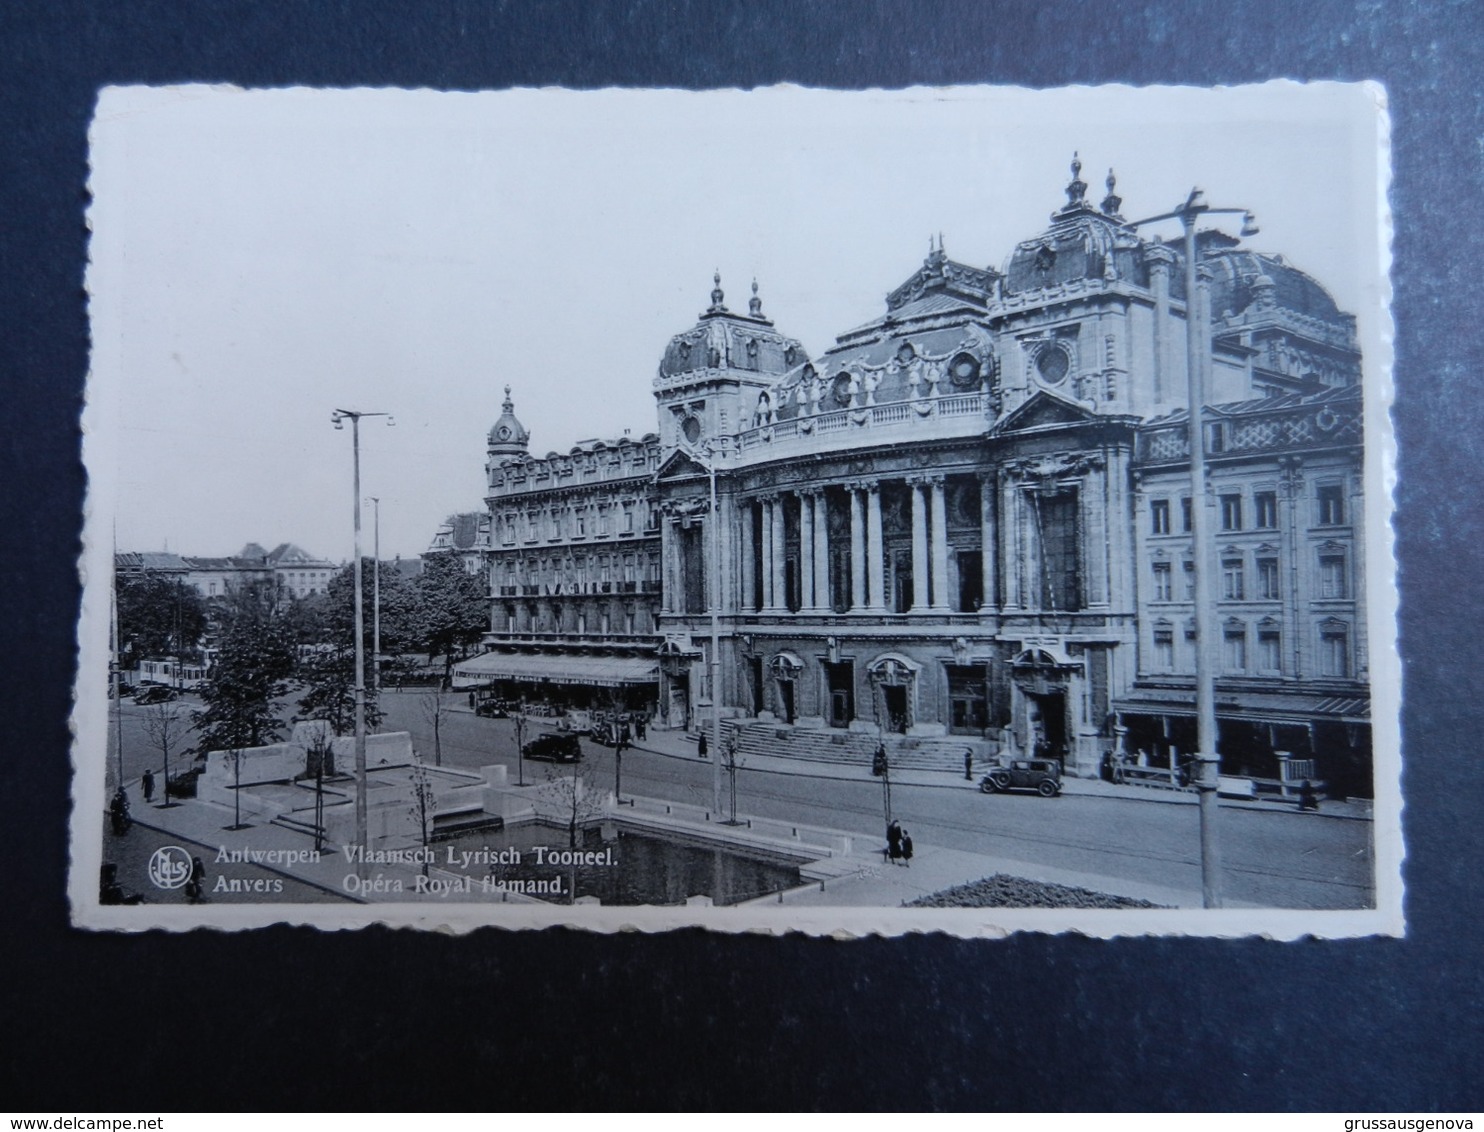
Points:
(965, 517)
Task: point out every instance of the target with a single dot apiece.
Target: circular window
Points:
(503, 432)
(842, 389)
(692, 429)
(964, 370)
(1052, 364)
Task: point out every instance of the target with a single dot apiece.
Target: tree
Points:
(575, 804)
(452, 609)
(252, 667)
(435, 710)
(166, 724)
(159, 616)
(329, 675)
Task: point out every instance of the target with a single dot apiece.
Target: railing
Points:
(1324, 423)
(865, 416)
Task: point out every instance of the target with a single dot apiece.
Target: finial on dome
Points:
(716, 292)
(755, 304)
(509, 405)
(1077, 187)
(1112, 202)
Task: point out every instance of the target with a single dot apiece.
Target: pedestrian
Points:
(906, 848)
(894, 840)
(1308, 800)
(471, 701)
(195, 886)
(118, 810)
(968, 764)
(639, 727)
(701, 745)
(878, 761)
(147, 783)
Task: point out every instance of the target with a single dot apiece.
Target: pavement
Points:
(859, 878)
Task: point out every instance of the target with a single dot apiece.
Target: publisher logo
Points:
(170, 867)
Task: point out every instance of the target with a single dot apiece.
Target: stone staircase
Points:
(856, 748)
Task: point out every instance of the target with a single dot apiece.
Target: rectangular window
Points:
(1269, 651)
(1164, 650)
(1190, 581)
(602, 518)
(1162, 581)
(1234, 649)
(1332, 580)
(1265, 504)
(1331, 505)
(1231, 512)
(1159, 517)
(1334, 653)
(1267, 579)
(1185, 515)
(581, 530)
(628, 518)
(1233, 587)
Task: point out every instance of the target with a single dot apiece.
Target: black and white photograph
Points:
(960, 509)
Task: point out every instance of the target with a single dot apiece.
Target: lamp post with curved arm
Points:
(1197, 359)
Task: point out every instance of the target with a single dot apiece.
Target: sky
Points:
(261, 258)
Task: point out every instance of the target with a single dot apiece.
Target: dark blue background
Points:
(297, 1019)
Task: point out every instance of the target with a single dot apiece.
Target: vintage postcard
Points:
(773, 511)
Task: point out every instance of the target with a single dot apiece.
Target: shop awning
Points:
(1255, 707)
(598, 671)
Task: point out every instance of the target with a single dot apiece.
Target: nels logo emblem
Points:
(169, 867)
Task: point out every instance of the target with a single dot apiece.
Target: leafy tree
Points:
(253, 664)
(166, 724)
(159, 616)
(329, 677)
(452, 610)
(398, 602)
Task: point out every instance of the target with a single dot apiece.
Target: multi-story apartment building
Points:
(965, 517)
(573, 560)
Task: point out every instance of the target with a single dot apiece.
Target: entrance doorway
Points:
(755, 674)
(894, 701)
(786, 700)
(1047, 725)
(679, 713)
(841, 677)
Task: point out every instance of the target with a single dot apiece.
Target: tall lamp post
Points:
(376, 596)
(708, 461)
(1197, 359)
(338, 418)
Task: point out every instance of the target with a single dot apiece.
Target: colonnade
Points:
(764, 538)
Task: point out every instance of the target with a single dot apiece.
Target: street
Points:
(1270, 859)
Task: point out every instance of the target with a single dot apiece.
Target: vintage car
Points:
(554, 748)
(155, 694)
(1041, 775)
(492, 709)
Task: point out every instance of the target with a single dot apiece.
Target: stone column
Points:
(988, 549)
(919, 547)
(767, 557)
(822, 600)
(806, 551)
(857, 550)
(776, 566)
(875, 552)
(939, 545)
(746, 600)
(1010, 543)
(668, 588)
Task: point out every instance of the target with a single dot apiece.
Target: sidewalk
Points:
(680, 745)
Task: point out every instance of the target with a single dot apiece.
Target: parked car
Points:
(552, 747)
(155, 694)
(492, 709)
(1041, 775)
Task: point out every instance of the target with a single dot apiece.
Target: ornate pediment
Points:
(1042, 410)
(679, 465)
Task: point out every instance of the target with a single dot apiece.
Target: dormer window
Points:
(1045, 259)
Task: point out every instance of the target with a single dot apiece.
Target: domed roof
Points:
(1241, 279)
(508, 436)
(1083, 242)
(724, 339)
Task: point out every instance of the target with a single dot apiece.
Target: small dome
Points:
(1083, 242)
(725, 339)
(508, 436)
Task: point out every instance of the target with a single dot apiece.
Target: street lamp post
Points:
(520, 749)
(338, 418)
(376, 596)
(708, 461)
(1197, 359)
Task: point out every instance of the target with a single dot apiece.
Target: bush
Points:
(183, 785)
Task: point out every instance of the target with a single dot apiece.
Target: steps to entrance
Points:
(856, 748)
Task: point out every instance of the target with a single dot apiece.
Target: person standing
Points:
(196, 885)
(701, 745)
(147, 784)
(1308, 800)
(968, 764)
(906, 848)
